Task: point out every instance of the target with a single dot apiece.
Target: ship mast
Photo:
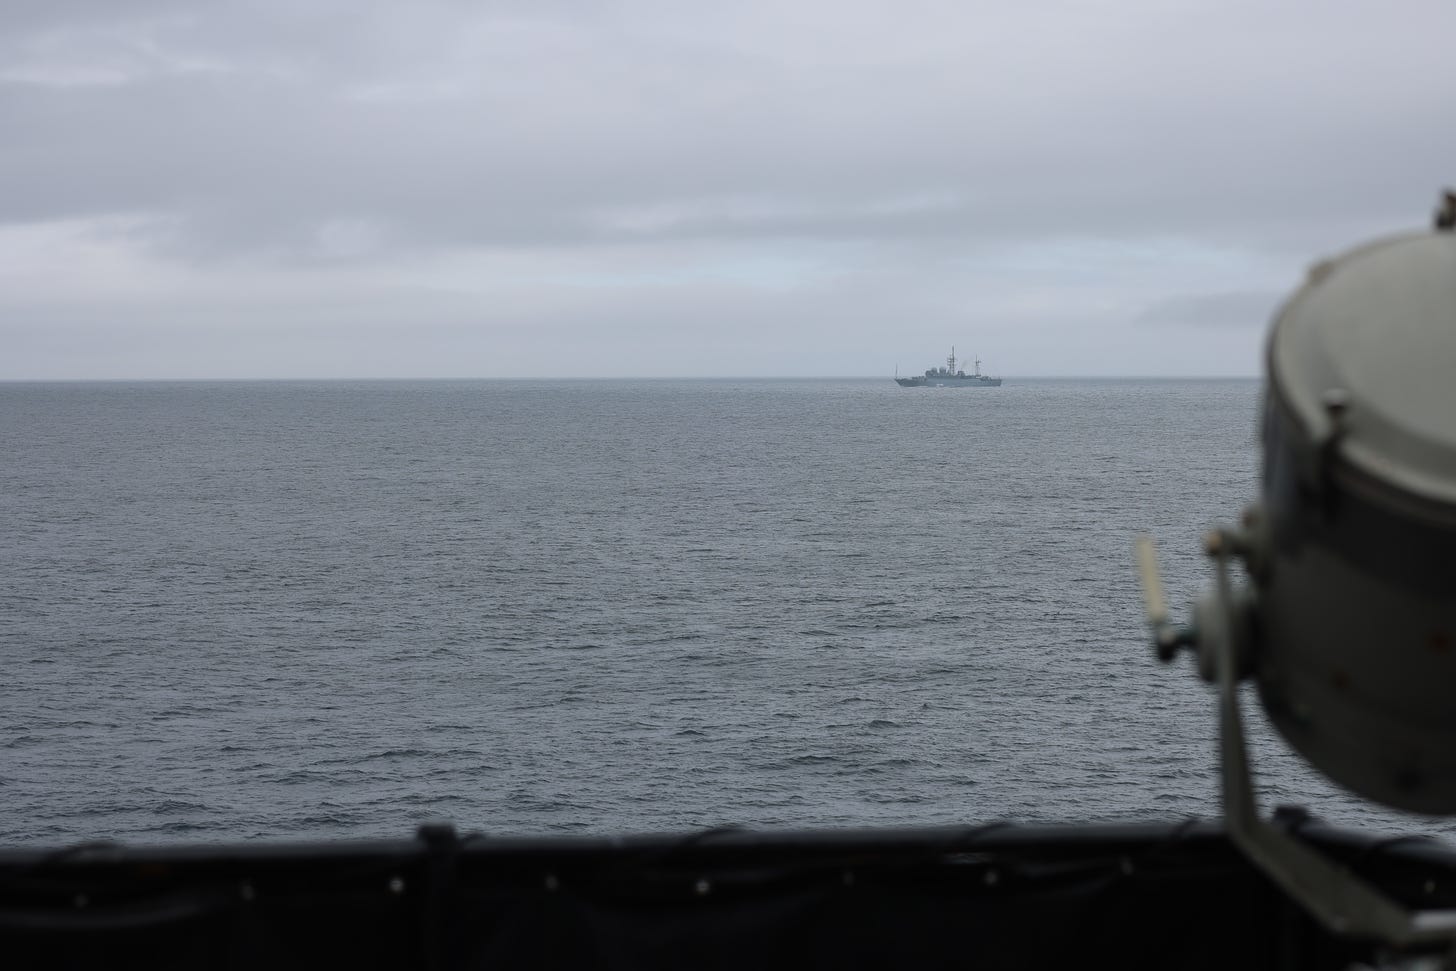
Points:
(950, 361)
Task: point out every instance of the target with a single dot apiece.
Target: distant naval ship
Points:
(949, 377)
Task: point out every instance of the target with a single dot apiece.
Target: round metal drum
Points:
(1356, 611)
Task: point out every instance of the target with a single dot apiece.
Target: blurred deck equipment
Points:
(1345, 617)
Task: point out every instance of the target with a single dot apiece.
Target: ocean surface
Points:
(337, 610)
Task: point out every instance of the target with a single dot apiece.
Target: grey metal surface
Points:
(1368, 344)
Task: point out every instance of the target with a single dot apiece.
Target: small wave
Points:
(892, 798)
(395, 753)
(181, 826)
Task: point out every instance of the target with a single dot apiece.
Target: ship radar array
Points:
(1344, 615)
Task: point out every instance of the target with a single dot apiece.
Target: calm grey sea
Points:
(324, 610)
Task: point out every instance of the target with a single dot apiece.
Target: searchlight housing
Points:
(1344, 615)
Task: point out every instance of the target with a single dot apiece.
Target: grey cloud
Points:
(533, 152)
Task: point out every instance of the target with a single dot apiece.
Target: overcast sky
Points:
(531, 187)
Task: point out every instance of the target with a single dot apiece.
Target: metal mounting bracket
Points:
(1336, 897)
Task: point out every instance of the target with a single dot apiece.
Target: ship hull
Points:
(948, 382)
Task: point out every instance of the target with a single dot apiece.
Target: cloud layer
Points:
(635, 188)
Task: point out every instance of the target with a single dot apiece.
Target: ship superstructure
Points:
(950, 377)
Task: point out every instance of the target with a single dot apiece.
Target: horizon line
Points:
(602, 378)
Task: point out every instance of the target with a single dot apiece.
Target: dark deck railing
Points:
(999, 896)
